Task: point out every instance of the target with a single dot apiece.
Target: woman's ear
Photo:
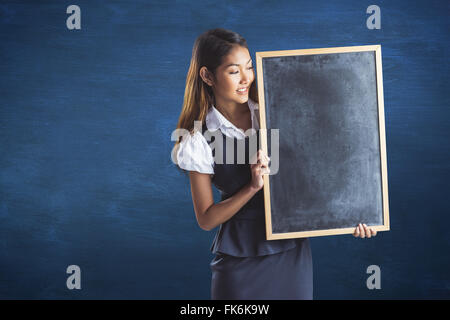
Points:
(206, 76)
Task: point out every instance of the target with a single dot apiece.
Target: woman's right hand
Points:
(258, 168)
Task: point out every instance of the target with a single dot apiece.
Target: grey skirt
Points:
(286, 275)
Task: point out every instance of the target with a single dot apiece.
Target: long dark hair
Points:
(209, 50)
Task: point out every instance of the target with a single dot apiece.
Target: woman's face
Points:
(234, 77)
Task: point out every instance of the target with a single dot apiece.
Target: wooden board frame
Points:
(382, 138)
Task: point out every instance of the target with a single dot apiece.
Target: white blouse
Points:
(195, 154)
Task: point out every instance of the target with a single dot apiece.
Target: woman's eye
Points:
(249, 68)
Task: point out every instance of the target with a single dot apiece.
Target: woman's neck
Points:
(233, 112)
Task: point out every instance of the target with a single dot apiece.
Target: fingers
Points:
(260, 158)
(367, 231)
(264, 160)
(356, 233)
(261, 168)
(363, 231)
(265, 170)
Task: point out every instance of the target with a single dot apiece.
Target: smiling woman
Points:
(221, 94)
(230, 84)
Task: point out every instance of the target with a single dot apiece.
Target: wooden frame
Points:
(263, 138)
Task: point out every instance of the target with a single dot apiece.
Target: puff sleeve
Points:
(195, 154)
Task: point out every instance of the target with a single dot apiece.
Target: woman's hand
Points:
(362, 231)
(258, 169)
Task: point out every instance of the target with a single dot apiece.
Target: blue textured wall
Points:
(85, 123)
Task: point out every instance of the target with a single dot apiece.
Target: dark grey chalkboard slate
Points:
(330, 166)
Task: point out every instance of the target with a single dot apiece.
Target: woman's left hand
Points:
(363, 231)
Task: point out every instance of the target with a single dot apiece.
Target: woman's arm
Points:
(209, 214)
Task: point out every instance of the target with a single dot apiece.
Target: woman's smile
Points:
(242, 91)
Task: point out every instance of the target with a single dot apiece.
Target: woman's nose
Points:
(245, 77)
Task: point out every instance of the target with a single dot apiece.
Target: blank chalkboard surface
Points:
(324, 114)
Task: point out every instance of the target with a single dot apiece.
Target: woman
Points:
(221, 94)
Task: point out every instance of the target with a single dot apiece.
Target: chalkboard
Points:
(322, 120)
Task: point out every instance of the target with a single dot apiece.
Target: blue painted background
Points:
(85, 123)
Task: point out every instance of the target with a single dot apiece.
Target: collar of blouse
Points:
(215, 120)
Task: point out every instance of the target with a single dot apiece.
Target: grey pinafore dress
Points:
(247, 266)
